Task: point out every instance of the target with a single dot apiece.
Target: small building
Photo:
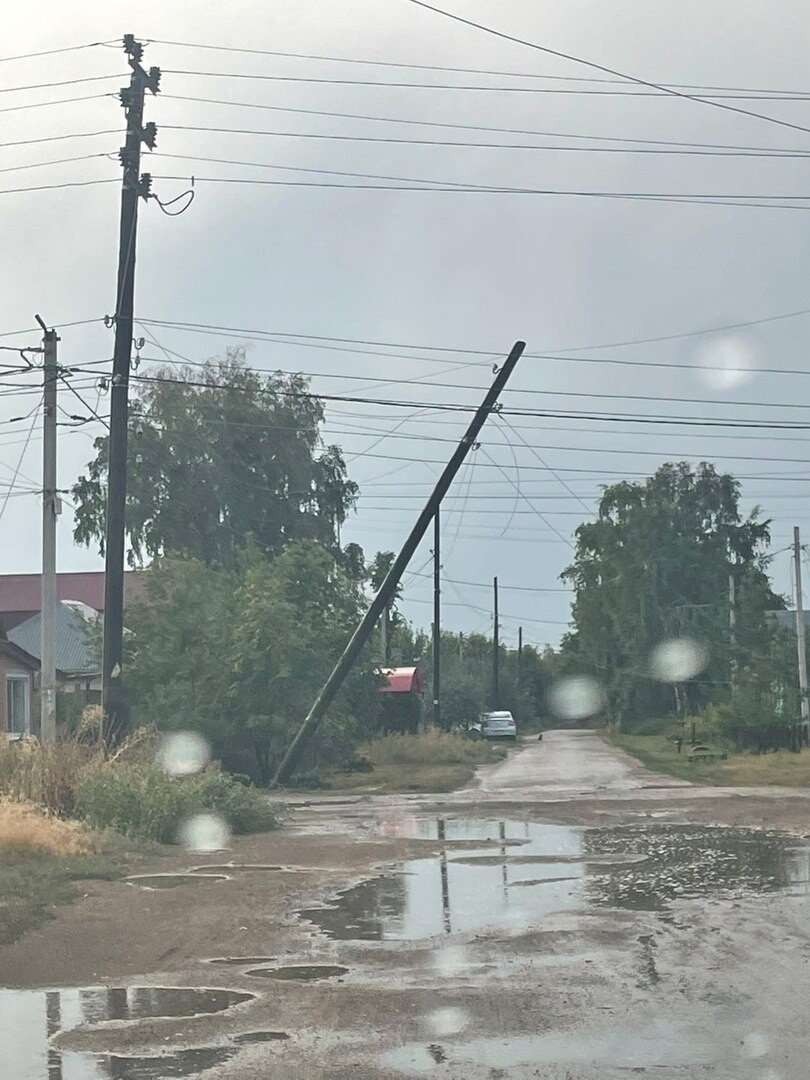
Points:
(77, 646)
(402, 680)
(19, 703)
(21, 594)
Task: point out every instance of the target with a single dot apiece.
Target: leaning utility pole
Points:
(437, 619)
(800, 637)
(496, 648)
(50, 510)
(732, 628)
(134, 188)
(392, 578)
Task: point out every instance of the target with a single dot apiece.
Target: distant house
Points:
(21, 594)
(19, 703)
(77, 637)
(402, 688)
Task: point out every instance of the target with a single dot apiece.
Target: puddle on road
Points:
(28, 1018)
(172, 881)
(558, 868)
(230, 868)
(301, 972)
(241, 961)
(661, 1045)
(253, 1038)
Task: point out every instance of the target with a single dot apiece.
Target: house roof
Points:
(23, 592)
(74, 623)
(8, 648)
(402, 680)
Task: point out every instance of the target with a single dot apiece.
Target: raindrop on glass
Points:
(755, 1045)
(576, 698)
(677, 660)
(726, 361)
(447, 1021)
(205, 832)
(183, 753)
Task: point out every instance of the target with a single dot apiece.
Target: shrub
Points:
(46, 775)
(142, 802)
(430, 748)
(24, 827)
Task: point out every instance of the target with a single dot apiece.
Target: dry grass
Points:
(739, 770)
(26, 828)
(432, 747)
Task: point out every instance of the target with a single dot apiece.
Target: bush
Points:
(46, 775)
(431, 748)
(142, 802)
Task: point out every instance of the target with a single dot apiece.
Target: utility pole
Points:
(732, 628)
(384, 635)
(134, 188)
(50, 510)
(437, 618)
(800, 637)
(520, 658)
(496, 648)
(386, 591)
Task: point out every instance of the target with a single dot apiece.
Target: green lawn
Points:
(739, 770)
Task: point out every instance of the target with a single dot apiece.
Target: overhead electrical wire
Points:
(61, 82)
(559, 54)
(59, 101)
(53, 52)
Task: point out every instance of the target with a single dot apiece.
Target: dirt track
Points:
(509, 949)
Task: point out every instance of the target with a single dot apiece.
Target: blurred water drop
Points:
(576, 697)
(183, 753)
(726, 361)
(447, 1021)
(755, 1045)
(451, 960)
(678, 660)
(205, 832)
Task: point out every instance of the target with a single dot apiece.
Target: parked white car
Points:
(497, 725)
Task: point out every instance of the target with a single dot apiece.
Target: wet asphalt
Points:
(565, 918)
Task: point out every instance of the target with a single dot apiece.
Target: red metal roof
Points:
(402, 680)
(22, 592)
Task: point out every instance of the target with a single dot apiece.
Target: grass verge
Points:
(780, 768)
(432, 762)
(41, 859)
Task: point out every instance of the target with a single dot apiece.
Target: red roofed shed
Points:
(402, 680)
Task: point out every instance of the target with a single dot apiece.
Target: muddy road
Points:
(569, 916)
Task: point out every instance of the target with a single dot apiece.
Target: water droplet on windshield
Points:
(447, 1021)
(726, 361)
(678, 660)
(755, 1045)
(205, 832)
(183, 753)
(576, 698)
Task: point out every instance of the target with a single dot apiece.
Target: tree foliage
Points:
(655, 566)
(217, 456)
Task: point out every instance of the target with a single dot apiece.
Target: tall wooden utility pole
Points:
(437, 618)
(392, 578)
(50, 511)
(134, 187)
(800, 637)
(732, 628)
(496, 649)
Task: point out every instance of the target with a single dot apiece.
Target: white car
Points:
(497, 725)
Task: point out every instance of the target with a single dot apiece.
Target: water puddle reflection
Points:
(536, 869)
(28, 1019)
(172, 881)
(301, 972)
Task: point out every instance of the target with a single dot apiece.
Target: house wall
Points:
(12, 665)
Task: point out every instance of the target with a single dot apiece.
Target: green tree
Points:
(655, 566)
(217, 456)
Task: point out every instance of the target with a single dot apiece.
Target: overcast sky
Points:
(449, 278)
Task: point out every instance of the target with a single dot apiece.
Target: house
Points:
(19, 678)
(402, 680)
(21, 594)
(402, 702)
(77, 638)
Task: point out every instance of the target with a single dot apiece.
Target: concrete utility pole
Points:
(732, 627)
(134, 187)
(520, 659)
(50, 510)
(392, 578)
(800, 636)
(496, 649)
(437, 618)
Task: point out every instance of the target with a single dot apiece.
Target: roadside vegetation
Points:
(435, 761)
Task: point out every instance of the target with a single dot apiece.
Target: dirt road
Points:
(570, 916)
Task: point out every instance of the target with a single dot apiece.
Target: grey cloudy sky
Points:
(465, 271)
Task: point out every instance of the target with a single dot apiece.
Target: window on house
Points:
(18, 705)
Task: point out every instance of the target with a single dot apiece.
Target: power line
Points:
(460, 144)
(52, 52)
(489, 129)
(57, 187)
(59, 138)
(701, 100)
(17, 472)
(59, 101)
(61, 82)
(55, 161)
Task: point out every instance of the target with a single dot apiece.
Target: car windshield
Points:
(403, 470)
